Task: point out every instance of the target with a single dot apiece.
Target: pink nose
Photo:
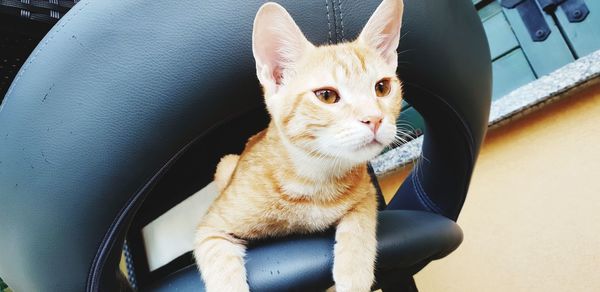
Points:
(373, 122)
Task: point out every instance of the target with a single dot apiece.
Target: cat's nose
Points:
(373, 122)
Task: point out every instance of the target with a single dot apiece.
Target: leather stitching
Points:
(418, 190)
(418, 193)
(469, 136)
(469, 141)
(416, 186)
(343, 38)
(108, 241)
(423, 197)
(328, 20)
(335, 24)
(37, 52)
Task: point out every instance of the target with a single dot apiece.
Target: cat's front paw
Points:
(352, 287)
(229, 286)
(353, 282)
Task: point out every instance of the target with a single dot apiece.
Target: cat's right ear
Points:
(277, 43)
(382, 31)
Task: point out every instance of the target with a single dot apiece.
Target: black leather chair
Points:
(124, 108)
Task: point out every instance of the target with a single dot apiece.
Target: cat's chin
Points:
(366, 152)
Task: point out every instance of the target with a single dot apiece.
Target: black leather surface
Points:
(405, 238)
(110, 98)
(447, 77)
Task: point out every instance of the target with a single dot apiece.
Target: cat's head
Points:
(338, 101)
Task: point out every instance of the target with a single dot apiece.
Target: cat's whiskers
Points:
(405, 51)
(402, 137)
(400, 126)
(411, 133)
(403, 34)
(312, 151)
(313, 164)
(335, 159)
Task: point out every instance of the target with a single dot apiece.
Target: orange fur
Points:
(224, 170)
(306, 172)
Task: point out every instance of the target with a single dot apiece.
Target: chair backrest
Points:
(446, 68)
(119, 90)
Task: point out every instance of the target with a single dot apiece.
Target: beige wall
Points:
(532, 216)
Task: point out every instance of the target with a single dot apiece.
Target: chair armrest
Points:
(406, 239)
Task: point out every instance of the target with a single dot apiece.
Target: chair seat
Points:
(304, 263)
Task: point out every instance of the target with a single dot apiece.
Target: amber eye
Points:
(382, 87)
(328, 96)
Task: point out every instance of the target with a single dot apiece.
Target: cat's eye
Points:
(328, 96)
(383, 87)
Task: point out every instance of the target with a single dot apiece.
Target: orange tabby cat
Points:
(332, 109)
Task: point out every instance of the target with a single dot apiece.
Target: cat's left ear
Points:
(277, 43)
(382, 31)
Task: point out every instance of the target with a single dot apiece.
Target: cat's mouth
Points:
(370, 144)
(367, 150)
(374, 142)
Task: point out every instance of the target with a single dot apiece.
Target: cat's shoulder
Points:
(254, 139)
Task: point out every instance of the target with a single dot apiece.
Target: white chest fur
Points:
(312, 217)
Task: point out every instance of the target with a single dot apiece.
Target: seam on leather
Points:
(418, 192)
(418, 187)
(328, 20)
(335, 22)
(471, 152)
(342, 36)
(422, 195)
(37, 52)
(107, 242)
(432, 205)
(467, 130)
(470, 142)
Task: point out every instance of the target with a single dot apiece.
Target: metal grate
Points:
(47, 11)
(23, 23)
(14, 49)
(129, 266)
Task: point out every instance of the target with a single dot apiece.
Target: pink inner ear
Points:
(272, 58)
(383, 29)
(277, 75)
(277, 43)
(388, 47)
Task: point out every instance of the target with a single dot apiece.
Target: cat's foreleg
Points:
(220, 258)
(356, 248)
